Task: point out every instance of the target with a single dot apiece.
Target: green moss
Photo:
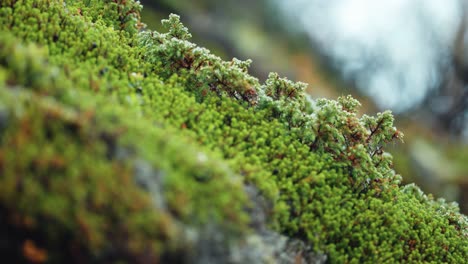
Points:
(91, 102)
(59, 184)
(68, 170)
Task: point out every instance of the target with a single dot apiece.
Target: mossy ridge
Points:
(305, 202)
(126, 85)
(320, 197)
(84, 156)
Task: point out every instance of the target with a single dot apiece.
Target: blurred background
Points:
(410, 56)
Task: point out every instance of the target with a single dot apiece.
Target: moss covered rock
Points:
(122, 144)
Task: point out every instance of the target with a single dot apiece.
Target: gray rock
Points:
(150, 180)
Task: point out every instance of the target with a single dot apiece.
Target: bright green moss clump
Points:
(91, 103)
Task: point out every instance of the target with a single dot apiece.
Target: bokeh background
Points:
(410, 56)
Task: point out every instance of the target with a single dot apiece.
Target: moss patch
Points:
(121, 138)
